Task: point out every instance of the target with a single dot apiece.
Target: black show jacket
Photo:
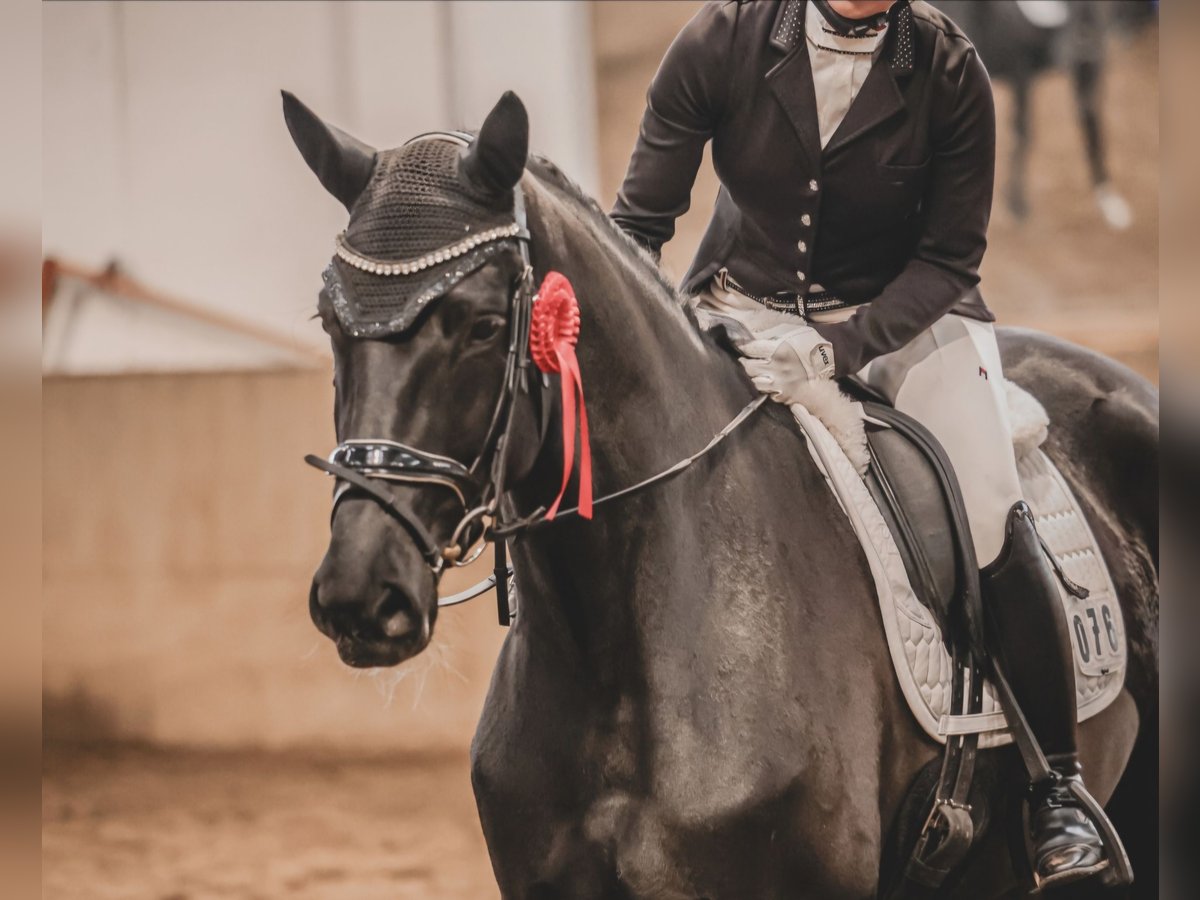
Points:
(894, 210)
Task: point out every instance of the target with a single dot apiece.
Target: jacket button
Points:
(806, 220)
(801, 276)
(813, 186)
(802, 247)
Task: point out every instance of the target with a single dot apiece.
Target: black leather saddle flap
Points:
(913, 483)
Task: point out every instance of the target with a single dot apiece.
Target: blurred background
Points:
(201, 738)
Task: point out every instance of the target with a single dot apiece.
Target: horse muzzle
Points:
(384, 632)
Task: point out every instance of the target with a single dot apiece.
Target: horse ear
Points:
(497, 155)
(342, 163)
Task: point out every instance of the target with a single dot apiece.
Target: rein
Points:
(538, 518)
(361, 464)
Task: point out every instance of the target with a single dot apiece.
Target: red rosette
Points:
(553, 334)
(554, 324)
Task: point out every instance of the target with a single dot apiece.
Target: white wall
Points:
(543, 51)
(180, 536)
(166, 149)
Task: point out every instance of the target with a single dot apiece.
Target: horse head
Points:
(430, 407)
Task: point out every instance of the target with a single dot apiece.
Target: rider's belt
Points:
(824, 301)
(805, 305)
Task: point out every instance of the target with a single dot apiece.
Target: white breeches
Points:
(949, 379)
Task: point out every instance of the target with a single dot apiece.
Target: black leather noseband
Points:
(352, 480)
(399, 462)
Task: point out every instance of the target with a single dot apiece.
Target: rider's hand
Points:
(781, 366)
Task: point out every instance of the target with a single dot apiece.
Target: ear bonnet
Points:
(418, 229)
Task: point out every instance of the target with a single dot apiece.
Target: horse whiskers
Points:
(438, 659)
(387, 680)
(443, 650)
(448, 666)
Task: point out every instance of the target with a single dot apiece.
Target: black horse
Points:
(1018, 42)
(696, 699)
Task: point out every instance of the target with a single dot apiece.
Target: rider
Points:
(855, 144)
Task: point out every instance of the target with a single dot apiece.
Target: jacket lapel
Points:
(878, 100)
(791, 81)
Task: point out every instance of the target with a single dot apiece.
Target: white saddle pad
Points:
(922, 663)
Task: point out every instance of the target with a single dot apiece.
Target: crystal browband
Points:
(411, 266)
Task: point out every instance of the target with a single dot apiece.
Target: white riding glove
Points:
(781, 366)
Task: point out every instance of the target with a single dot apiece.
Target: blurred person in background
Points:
(855, 145)
(1021, 40)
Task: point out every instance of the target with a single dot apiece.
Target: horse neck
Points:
(656, 392)
(654, 386)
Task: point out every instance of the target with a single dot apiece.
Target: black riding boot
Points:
(1030, 643)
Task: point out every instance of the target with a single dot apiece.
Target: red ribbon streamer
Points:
(553, 334)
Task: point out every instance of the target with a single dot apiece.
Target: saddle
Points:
(912, 483)
(912, 524)
(907, 513)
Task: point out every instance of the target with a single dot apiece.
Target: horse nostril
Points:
(325, 597)
(400, 625)
(317, 606)
(396, 614)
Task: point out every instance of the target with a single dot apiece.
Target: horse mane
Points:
(823, 399)
(551, 175)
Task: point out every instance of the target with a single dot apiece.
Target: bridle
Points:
(360, 463)
(363, 464)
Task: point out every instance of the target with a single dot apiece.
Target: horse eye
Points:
(328, 320)
(486, 328)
